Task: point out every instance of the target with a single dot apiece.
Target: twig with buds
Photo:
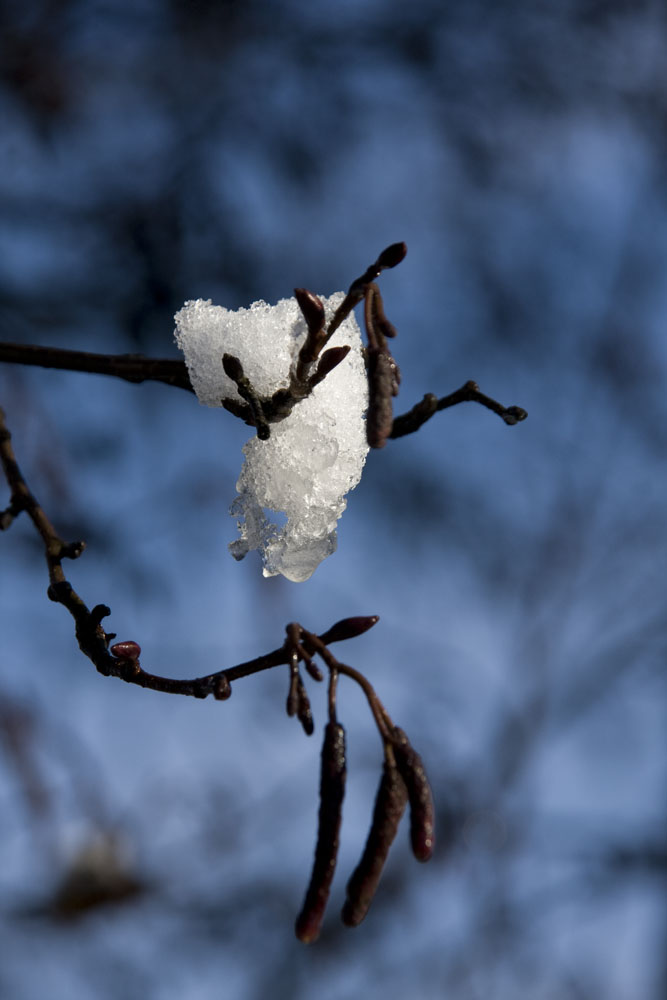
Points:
(403, 776)
(261, 412)
(403, 781)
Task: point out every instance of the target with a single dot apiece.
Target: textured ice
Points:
(313, 457)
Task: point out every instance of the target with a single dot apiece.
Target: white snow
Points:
(313, 457)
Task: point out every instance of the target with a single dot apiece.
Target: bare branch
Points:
(130, 367)
(259, 411)
(411, 421)
(93, 640)
(404, 776)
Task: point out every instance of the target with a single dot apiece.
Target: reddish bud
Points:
(311, 307)
(392, 255)
(223, 689)
(233, 367)
(330, 359)
(349, 628)
(126, 650)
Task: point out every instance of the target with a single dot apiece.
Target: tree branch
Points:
(93, 640)
(260, 412)
(411, 421)
(130, 367)
(137, 368)
(402, 764)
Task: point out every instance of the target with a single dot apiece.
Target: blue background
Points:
(164, 150)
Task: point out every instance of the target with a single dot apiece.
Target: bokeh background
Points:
(162, 150)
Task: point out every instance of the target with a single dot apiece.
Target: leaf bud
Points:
(126, 650)
(349, 628)
(311, 307)
(392, 255)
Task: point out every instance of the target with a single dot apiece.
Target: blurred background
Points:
(164, 150)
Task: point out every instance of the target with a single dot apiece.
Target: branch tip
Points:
(392, 255)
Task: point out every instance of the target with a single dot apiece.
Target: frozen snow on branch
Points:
(313, 457)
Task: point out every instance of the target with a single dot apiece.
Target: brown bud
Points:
(126, 650)
(332, 790)
(233, 367)
(392, 255)
(73, 550)
(513, 414)
(330, 359)
(223, 689)
(422, 812)
(390, 802)
(312, 309)
(349, 628)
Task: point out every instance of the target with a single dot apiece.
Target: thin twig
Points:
(130, 367)
(93, 640)
(408, 423)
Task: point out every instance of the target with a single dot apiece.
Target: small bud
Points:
(73, 550)
(311, 307)
(349, 628)
(330, 359)
(233, 367)
(126, 650)
(513, 414)
(392, 255)
(99, 612)
(59, 592)
(223, 689)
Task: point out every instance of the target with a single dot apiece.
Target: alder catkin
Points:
(332, 790)
(303, 710)
(422, 812)
(390, 802)
(379, 417)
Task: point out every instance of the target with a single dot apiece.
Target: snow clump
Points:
(313, 457)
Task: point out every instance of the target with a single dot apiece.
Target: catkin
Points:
(422, 812)
(379, 418)
(332, 790)
(390, 802)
